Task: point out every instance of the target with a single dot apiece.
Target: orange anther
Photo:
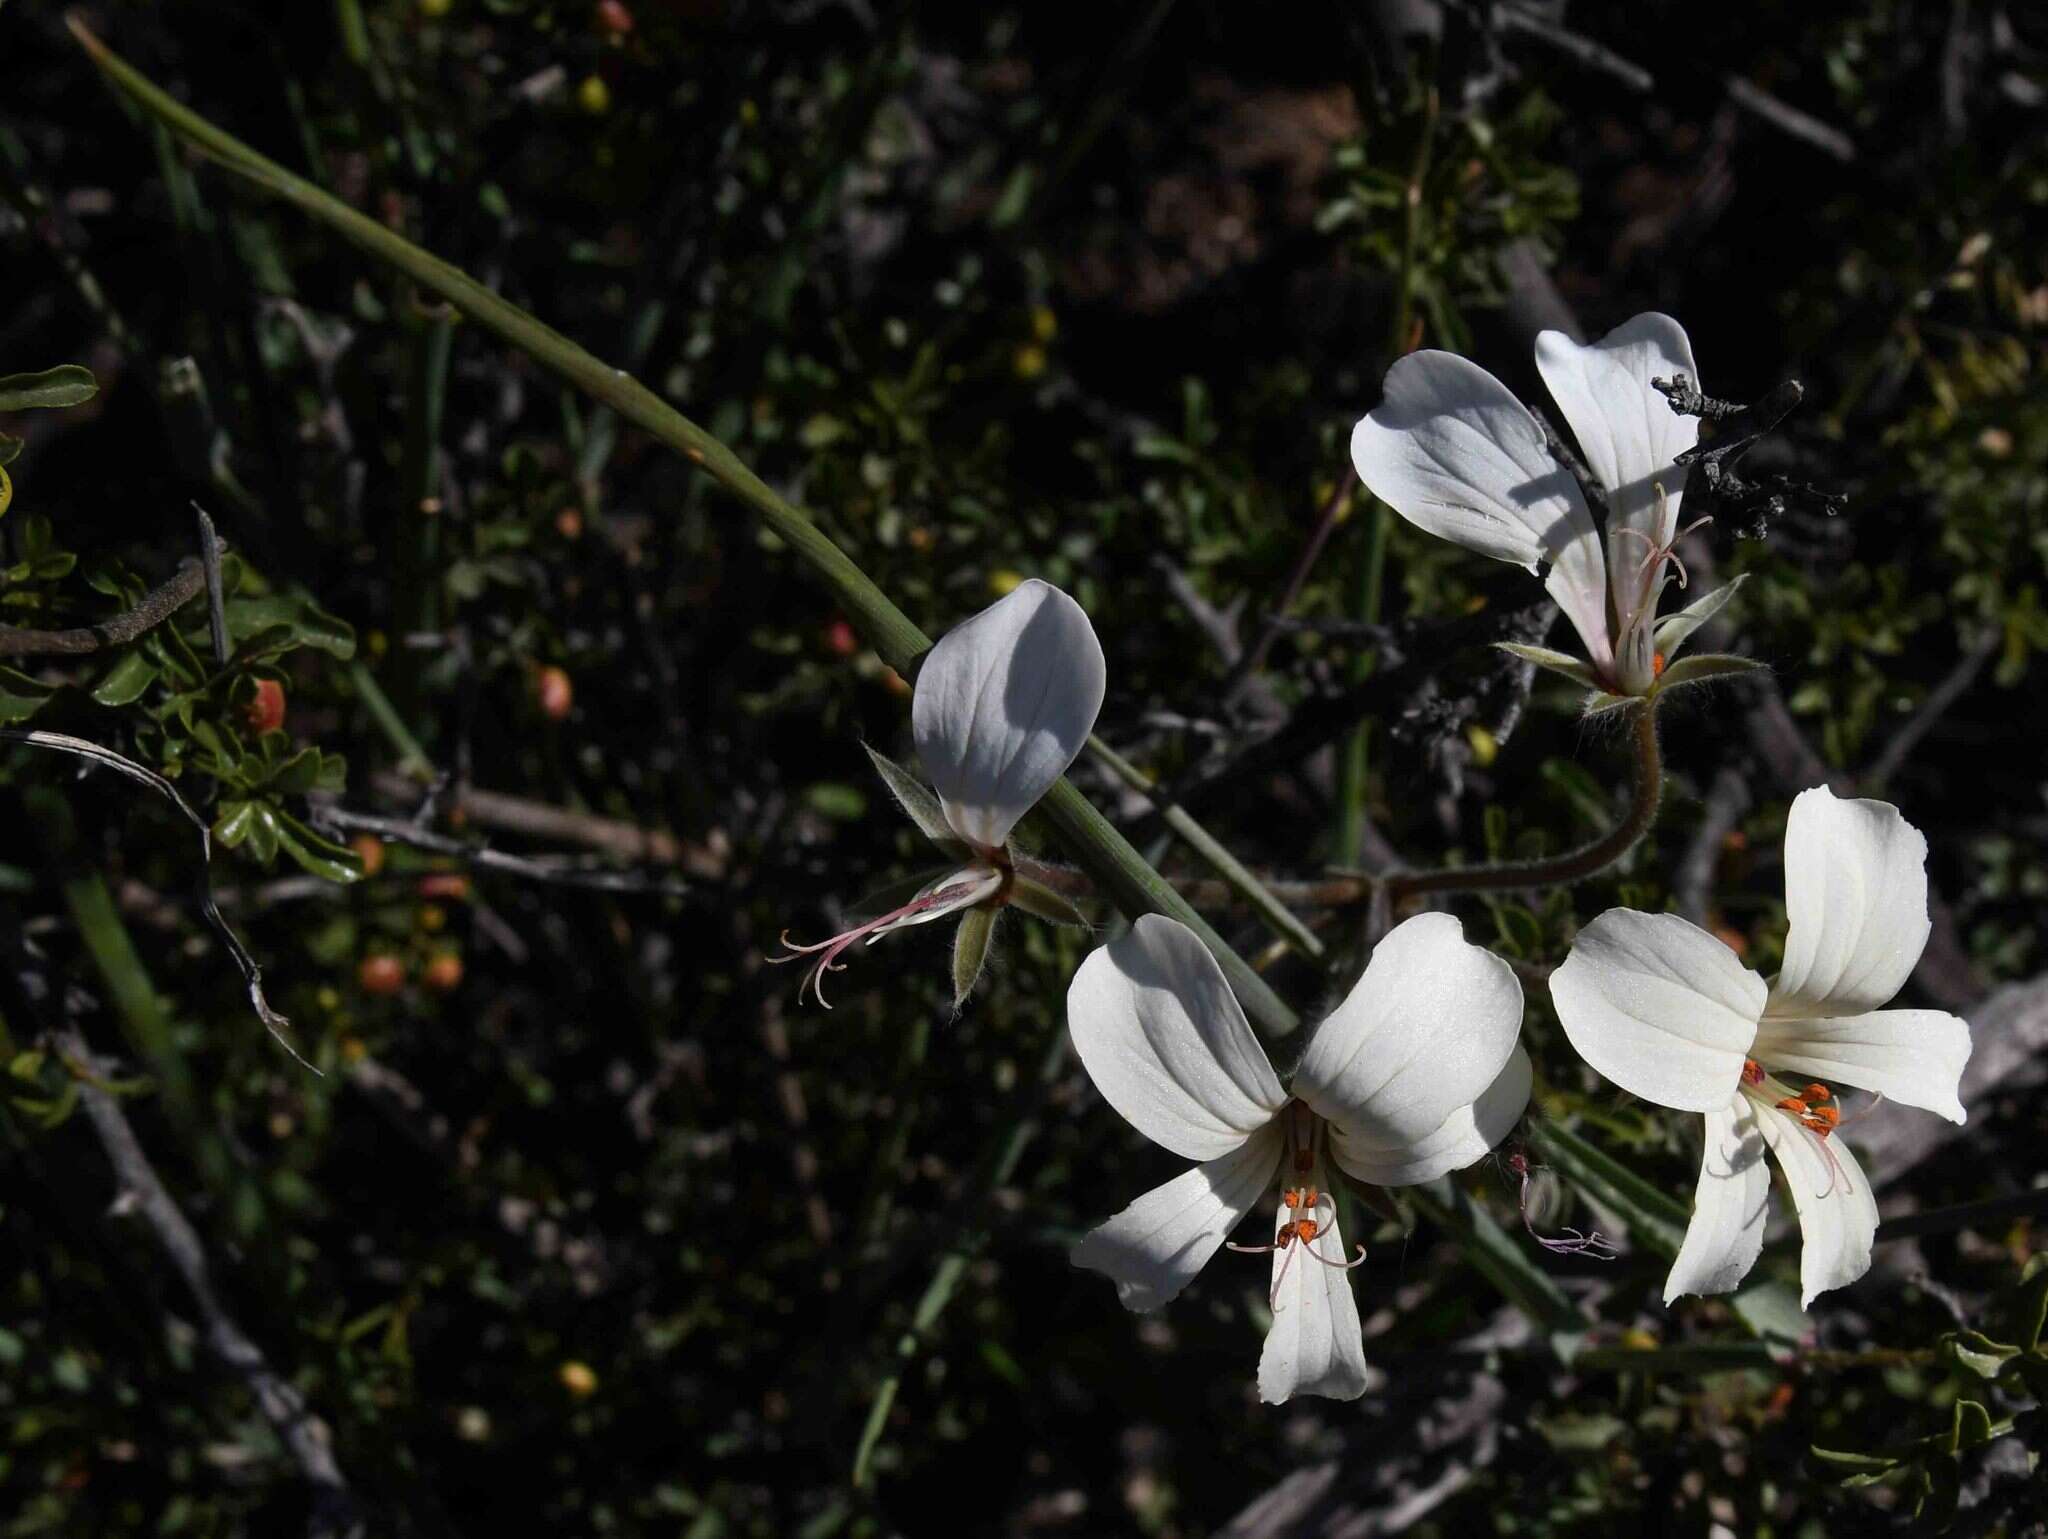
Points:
(1794, 1105)
(1290, 1197)
(1305, 1229)
(1817, 1093)
(1827, 1116)
(1752, 1072)
(1657, 665)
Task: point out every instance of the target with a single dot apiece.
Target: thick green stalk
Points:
(1094, 844)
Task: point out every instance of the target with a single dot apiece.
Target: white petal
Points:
(1660, 1007)
(1915, 1057)
(1627, 431)
(1837, 1214)
(1423, 1033)
(1167, 1044)
(1728, 1207)
(1454, 453)
(1856, 896)
(1003, 704)
(1154, 1248)
(1466, 1136)
(1314, 1346)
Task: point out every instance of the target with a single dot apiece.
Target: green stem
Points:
(1089, 838)
(1646, 791)
(412, 759)
(1279, 919)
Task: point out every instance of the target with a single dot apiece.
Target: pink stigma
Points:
(828, 951)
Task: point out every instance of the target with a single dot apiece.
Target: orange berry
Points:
(613, 17)
(265, 710)
(444, 884)
(551, 687)
(443, 973)
(370, 851)
(380, 975)
(841, 639)
(569, 523)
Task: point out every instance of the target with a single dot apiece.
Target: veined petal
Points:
(1156, 1246)
(1452, 451)
(1466, 1136)
(1627, 431)
(1837, 1213)
(1915, 1057)
(1728, 1206)
(1003, 704)
(1314, 1345)
(1424, 1032)
(1660, 1007)
(1856, 896)
(1167, 1044)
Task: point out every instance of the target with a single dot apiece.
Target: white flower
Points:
(1666, 1011)
(1454, 453)
(1004, 702)
(1417, 1073)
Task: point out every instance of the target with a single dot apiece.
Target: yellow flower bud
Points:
(577, 1379)
(594, 96)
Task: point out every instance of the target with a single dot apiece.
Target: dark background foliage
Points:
(597, 1229)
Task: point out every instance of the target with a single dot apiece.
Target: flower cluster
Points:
(1419, 1072)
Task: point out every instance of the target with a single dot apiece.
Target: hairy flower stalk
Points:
(1452, 451)
(1003, 704)
(1417, 1073)
(1667, 1012)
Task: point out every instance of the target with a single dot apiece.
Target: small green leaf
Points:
(1042, 902)
(236, 819)
(21, 696)
(10, 446)
(305, 624)
(1579, 671)
(1849, 1461)
(315, 853)
(841, 803)
(66, 385)
(1979, 1354)
(125, 682)
(970, 950)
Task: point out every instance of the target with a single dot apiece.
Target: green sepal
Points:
(918, 802)
(1040, 901)
(1577, 669)
(21, 696)
(1675, 629)
(1705, 667)
(970, 950)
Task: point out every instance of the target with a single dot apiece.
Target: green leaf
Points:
(970, 950)
(1977, 1353)
(1578, 670)
(10, 447)
(1851, 1462)
(315, 853)
(306, 624)
(1708, 665)
(125, 682)
(21, 696)
(68, 384)
(1043, 903)
(841, 803)
(233, 825)
(1655, 1219)
(918, 802)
